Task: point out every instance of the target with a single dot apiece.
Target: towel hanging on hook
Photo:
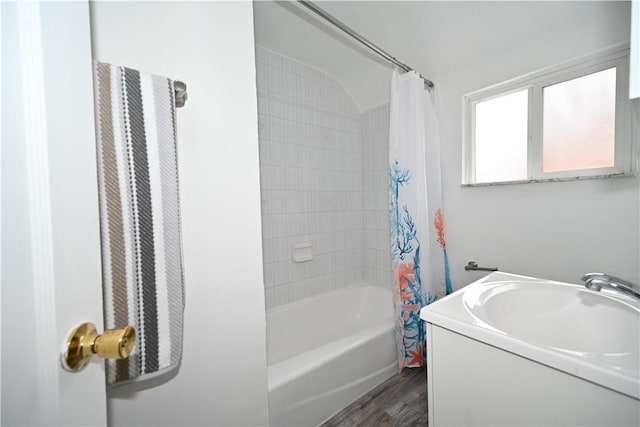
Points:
(143, 281)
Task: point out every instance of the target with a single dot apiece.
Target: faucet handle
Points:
(620, 281)
(589, 276)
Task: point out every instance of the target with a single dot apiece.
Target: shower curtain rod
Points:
(345, 28)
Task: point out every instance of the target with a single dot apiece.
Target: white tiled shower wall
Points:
(311, 179)
(376, 256)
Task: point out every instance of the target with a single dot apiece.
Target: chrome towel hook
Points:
(180, 89)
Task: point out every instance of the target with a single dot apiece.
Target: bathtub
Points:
(325, 352)
(516, 350)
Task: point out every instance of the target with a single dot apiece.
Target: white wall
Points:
(551, 230)
(209, 45)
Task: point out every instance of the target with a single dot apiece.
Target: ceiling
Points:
(435, 38)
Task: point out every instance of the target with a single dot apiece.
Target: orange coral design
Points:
(405, 272)
(412, 307)
(439, 223)
(416, 357)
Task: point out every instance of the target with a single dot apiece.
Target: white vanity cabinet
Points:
(471, 383)
(478, 375)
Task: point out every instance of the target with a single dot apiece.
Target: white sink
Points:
(564, 317)
(590, 335)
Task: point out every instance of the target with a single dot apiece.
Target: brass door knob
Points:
(84, 342)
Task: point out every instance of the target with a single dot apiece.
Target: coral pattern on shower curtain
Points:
(415, 214)
(438, 222)
(409, 294)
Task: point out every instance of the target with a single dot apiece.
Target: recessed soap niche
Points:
(302, 252)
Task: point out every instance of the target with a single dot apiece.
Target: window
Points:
(501, 133)
(569, 121)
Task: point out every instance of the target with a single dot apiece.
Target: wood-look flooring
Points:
(399, 401)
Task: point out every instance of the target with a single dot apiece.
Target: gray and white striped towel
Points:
(143, 281)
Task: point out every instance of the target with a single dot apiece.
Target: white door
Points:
(51, 279)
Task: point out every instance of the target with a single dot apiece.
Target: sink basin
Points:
(594, 336)
(561, 316)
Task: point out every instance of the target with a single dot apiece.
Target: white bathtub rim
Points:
(325, 295)
(285, 371)
(324, 319)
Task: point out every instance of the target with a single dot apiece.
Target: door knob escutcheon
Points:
(84, 342)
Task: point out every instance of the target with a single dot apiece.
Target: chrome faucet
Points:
(596, 281)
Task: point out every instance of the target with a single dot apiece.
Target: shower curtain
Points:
(420, 267)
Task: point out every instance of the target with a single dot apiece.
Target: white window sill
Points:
(563, 179)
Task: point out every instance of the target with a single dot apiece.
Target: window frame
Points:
(625, 127)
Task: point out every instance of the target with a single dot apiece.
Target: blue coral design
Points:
(410, 329)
